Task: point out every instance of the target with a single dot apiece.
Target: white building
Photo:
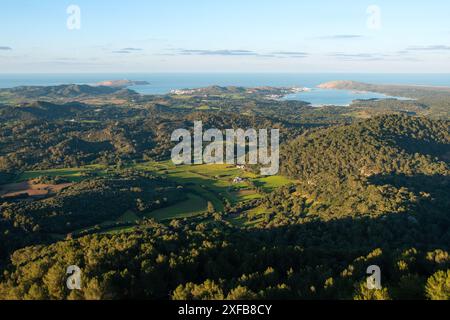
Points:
(238, 180)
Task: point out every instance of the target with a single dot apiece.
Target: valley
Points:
(86, 179)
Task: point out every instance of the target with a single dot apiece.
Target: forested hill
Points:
(382, 145)
(389, 164)
(66, 91)
(413, 91)
(40, 110)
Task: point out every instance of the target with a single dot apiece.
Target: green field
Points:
(213, 180)
(203, 184)
(212, 183)
(72, 174)
(270, 183)
(128, 216)
(256, 216)
(193, 206)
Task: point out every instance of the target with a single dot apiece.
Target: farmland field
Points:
(203, 183)
(193, 206)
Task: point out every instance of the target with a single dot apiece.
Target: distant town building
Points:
(238, 180)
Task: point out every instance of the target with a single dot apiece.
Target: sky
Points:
(295, 36)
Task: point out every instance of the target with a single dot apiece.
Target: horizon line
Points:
(222, 72)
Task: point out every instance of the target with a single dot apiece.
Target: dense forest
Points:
(369, 184)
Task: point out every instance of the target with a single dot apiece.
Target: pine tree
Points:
(438, 286)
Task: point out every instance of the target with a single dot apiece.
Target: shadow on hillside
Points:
(432, 148)
(436, 185)
(339, 248)
(427, 227)
(336, 242)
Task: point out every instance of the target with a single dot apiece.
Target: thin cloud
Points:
(245, 53)
(127, 50)
(67, 62)
(394, 56)
(291, 54)
(5, 48)
(429, 48)
(121, 51)
(131, 49)
(358, 56)
(218, 52)
(341, 37)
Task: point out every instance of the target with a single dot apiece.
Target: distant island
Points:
(121, 83)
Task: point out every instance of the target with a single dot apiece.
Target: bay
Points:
(162, 83)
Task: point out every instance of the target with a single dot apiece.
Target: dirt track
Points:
(33, 190)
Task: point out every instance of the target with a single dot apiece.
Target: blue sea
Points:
(161, 83)
(322, 97)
